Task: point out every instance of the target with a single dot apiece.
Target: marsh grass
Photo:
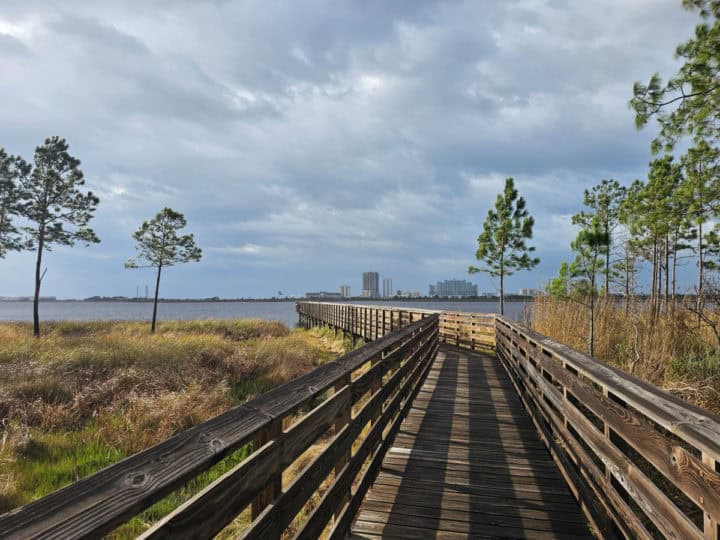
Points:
(667, 350)
(86, 395)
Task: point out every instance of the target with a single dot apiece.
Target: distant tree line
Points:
(43, 204)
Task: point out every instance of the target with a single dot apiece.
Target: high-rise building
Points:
(387, 288)
(345, 291)
(371, 285)
(453, 288)
(529, 292)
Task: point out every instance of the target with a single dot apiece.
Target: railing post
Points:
(472, 333)
(274, 485)
(606, 428)
(342, 421)
(711, 527)
(457, 332)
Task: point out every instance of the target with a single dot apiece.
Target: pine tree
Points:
(502, 246)
(12, 170)
(604, 201)
(159, 246)
(53, 201)
(577, 281)
(626, 267)
(700, 195)
(688, 104)
(647, 212)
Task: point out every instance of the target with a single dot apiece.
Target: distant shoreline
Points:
(285, 299)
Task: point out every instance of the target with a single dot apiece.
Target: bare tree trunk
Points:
(674, 275)
(591, 344)
(607, 267)
(502, 291)
(157, 289)
(627, 283)
(38, 280)
(654, 276)
(659, 296)
(667, 272)
(699, 292)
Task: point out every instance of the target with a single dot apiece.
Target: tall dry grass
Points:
(88, 394)
(667, 350)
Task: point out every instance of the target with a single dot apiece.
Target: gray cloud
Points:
(307, 142)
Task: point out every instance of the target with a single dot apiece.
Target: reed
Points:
(666, 349)
(88, 394)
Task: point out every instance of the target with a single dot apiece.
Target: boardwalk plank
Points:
(467, 461)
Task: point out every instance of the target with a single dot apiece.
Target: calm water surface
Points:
(276, 311)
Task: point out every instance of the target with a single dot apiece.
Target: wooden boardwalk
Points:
(468, 462)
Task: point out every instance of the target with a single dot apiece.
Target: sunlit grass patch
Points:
(85, 395)
(666, 349)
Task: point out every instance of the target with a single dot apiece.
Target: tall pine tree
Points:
(603, 202)
(159, 246)
(700, 196)
(578, 280)
(56, 206)
(502, 246)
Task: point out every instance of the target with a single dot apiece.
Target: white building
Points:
(528, 292)
(387, 288)
(345, 291)
(371, 285)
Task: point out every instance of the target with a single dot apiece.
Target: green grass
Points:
(51, 460)
(140, 523)
(86, 395)
(697, 369)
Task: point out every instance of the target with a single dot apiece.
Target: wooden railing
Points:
(357, 404)
(642, 462)
(475, 331)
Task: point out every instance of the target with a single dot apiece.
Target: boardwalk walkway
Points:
(467, 462)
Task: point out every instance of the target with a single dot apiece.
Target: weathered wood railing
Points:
(358, 403)
(643, 462)
(475, 331)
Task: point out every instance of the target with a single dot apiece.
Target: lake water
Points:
(276, 311)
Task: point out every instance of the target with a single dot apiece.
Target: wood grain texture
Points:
(697, 426)
(656, 505)
(98, 503)
(454, 445)
(566, 399)
(437, 477)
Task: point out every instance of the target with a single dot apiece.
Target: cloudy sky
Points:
(309, 141)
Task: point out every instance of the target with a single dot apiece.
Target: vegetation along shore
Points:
(86, 395)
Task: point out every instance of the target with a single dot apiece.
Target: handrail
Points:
(373, 385)
(647, 457)
(640, 461)
(474, 331)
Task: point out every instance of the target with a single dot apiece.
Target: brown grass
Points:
(668, 350)
(87, 394)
